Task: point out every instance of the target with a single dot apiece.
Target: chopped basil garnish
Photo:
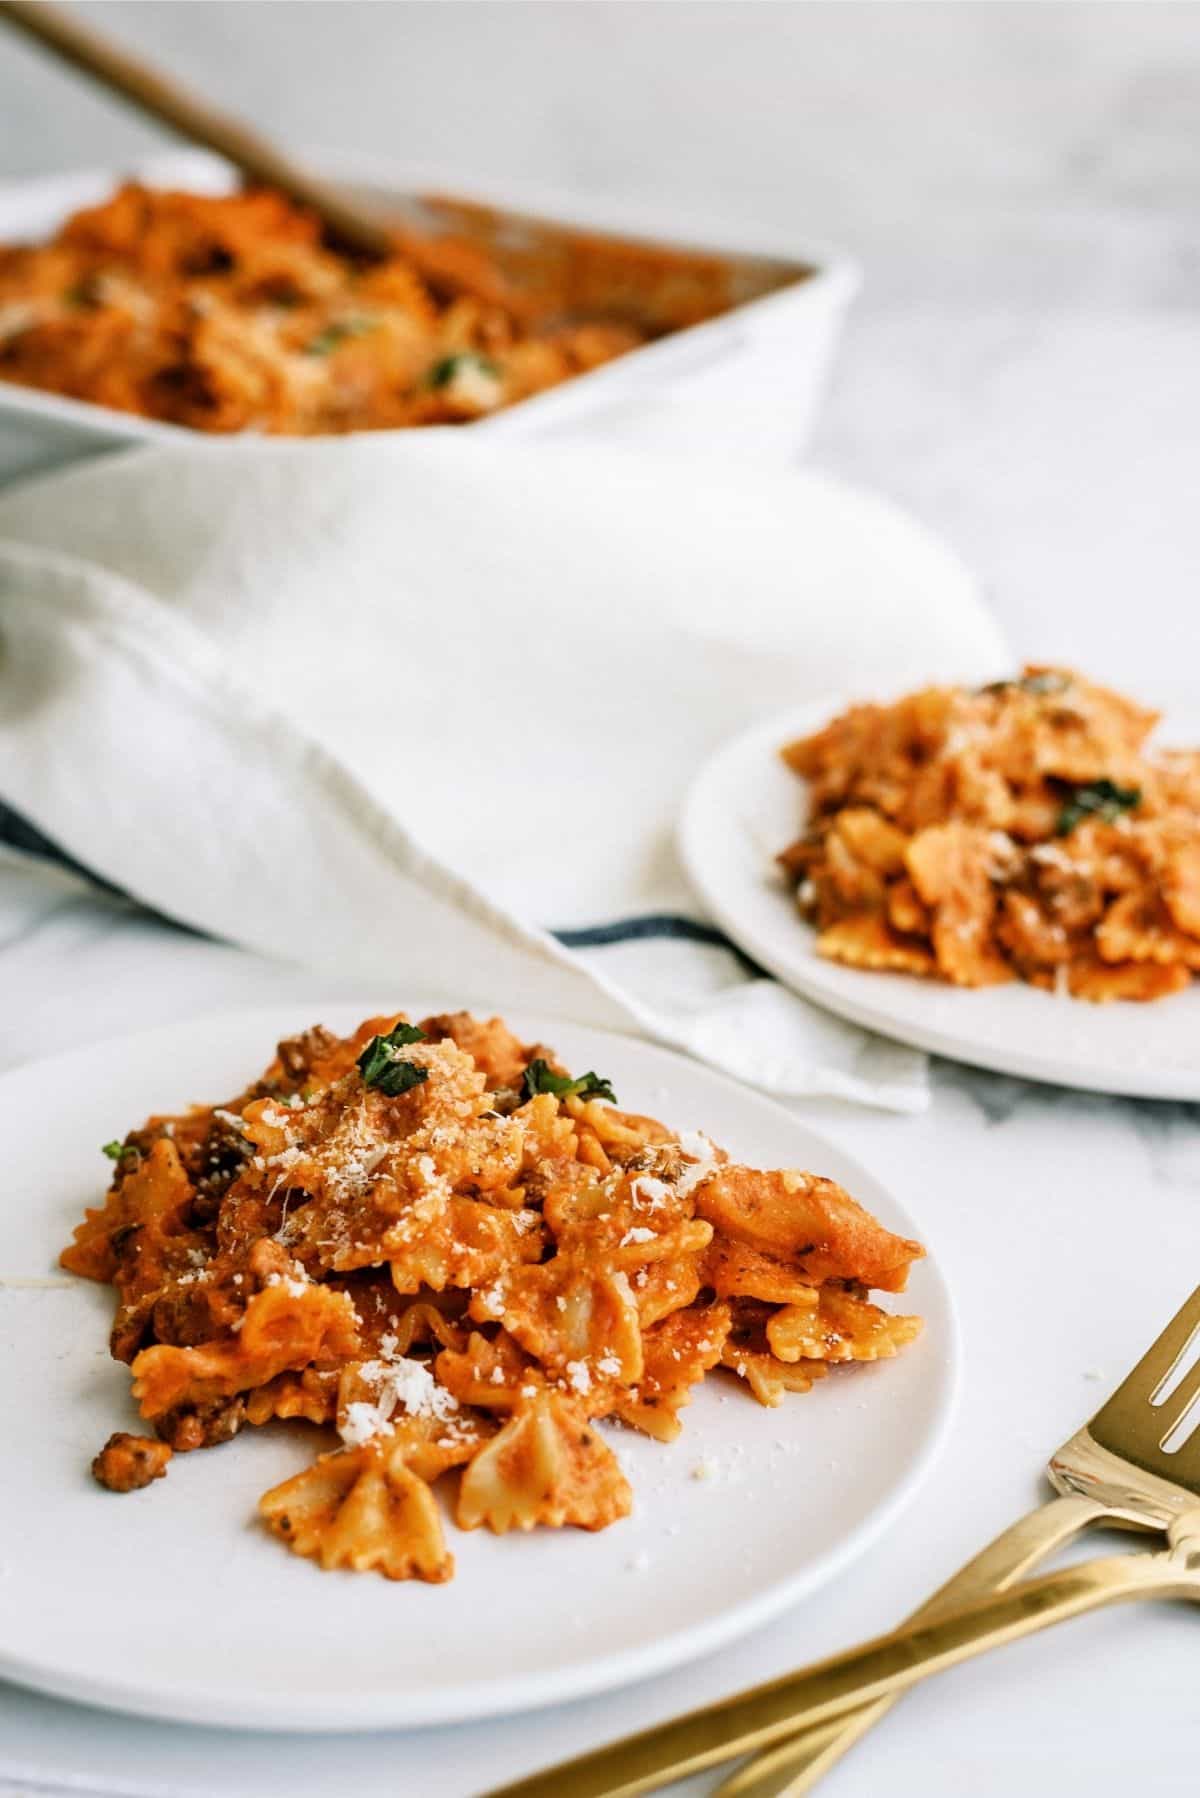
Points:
(443, 372)
(1049, 681)
(1101, 799)
(338, 332)
(380, 1066)
(540, 1078)
(114, 1150)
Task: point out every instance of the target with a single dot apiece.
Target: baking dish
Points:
(746, 383)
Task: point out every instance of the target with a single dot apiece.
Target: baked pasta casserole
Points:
(231, 314)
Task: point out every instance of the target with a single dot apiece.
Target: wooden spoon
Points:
(347, 225)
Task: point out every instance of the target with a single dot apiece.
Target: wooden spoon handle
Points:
(346, 224)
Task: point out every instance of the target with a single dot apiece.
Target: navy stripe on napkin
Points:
(654, 924)
(16, 832)
(628, 930)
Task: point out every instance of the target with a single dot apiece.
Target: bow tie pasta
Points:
(437, 1245)
(1025, 831)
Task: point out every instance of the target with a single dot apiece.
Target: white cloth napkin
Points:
(406, 706)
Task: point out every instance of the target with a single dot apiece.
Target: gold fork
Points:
(1134, 1465)
(1098, 1479)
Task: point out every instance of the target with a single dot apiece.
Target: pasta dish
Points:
(230, 314)
(435, 1241)
(1025, 831)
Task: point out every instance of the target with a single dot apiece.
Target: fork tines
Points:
(1158, 1404)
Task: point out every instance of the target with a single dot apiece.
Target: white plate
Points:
(173, 1603)
(745, 806)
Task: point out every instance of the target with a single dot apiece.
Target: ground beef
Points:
(202, 1427)
(126, 1463)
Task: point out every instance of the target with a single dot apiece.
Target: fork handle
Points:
(795, 1766)
(890, 1663)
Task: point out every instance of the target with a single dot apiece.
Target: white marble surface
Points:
(1068, 1227)
(1024, 371)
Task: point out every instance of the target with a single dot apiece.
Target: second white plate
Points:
(174, 1603)
(745, 806)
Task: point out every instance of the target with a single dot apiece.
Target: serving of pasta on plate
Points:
(1023, 831)
(437, 1242)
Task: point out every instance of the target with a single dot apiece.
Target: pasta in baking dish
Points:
(1025, 831)
(230, 314)
(435, 1241)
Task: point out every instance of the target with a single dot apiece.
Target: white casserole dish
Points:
(747, 383)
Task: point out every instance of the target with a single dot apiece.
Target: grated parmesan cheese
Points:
(703, 1157)
(652, 1191)
(402, 1385)
(294, 1288)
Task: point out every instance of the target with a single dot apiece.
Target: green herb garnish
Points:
(114, 1150)
(443, 372)
(1049, 681)
(1101, 799)
(339, 332)
(380, 1066)
(541, 1078)
(82, 294)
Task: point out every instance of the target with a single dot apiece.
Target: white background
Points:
(1023, 185)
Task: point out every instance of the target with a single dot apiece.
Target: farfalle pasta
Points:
(1026, 830)
(454, 1260)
